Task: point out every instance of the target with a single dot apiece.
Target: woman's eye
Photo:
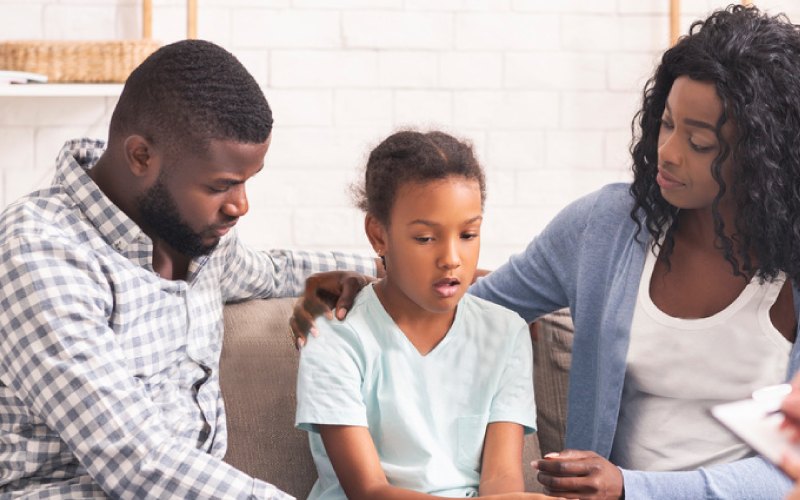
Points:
(666, 124)
(700, 149)
(469, 236)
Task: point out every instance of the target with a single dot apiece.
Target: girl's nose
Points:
(450, 258)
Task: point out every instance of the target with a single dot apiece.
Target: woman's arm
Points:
(501, 470)
(358, 468)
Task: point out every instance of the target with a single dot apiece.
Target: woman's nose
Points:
(668, 150)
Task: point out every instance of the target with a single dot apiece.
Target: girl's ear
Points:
(376, 233)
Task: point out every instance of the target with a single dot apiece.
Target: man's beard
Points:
(161, 215)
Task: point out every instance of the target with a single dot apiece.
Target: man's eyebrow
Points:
(694, 123)
(230, 182)
(236, 182)
(431, 223)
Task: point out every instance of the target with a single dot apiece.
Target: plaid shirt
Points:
(109, 375)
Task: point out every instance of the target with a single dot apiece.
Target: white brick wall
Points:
(544, 89)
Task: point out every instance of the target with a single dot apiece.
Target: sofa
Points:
(258, 370)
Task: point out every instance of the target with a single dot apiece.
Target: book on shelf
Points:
(9, 77)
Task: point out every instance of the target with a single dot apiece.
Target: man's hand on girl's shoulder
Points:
(324, 293)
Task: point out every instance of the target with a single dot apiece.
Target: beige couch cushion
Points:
(552, 356)
(258, 372)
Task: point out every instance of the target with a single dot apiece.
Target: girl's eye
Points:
(469, 236)
(423, 239)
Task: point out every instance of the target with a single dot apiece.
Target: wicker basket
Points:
(76, 61)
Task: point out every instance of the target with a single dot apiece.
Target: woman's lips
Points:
(667, 181)
(447, 287)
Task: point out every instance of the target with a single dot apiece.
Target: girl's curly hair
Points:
(411, 156)
(754, 61)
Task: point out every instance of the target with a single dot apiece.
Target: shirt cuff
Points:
(265, 491)
(671, 485)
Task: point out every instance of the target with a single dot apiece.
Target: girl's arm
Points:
(358, 468)
(501, 470)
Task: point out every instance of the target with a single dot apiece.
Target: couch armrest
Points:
(552, 357)
(258, 378)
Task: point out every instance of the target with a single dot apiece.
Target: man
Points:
(113, 282)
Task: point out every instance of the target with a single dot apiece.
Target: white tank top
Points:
(678, 368)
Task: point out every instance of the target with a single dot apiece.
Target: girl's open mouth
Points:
(447, 287)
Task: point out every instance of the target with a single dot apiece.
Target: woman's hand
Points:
(580, 474)
(325, 292)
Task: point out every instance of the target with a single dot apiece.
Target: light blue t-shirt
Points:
(427, 414)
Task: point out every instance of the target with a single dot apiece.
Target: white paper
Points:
(756, 421)
(7, 76)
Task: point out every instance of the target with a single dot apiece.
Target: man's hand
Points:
(580, 474)
(325, 292)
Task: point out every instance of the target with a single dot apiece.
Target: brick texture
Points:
(544, 90)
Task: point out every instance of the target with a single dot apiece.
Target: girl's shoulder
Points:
(482, 310)
(364, 316)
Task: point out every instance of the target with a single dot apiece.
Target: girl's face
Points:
(431, 246)
(687, 144)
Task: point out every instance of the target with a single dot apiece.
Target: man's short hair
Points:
(188, 93)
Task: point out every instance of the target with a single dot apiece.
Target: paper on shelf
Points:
(7, 76)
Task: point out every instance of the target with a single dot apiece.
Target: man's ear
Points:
(376, 233)
(139, 156)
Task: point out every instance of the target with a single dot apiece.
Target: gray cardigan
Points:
(589, 259)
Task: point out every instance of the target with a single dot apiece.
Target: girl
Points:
(422, 392)
(682, 284)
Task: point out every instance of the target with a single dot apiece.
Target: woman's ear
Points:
(139, 156)
(376, 233)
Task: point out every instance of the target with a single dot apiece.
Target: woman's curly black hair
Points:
(754, 61)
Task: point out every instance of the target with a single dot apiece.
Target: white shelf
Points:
(61, 90)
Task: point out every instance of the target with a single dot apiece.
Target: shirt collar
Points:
(75, 159)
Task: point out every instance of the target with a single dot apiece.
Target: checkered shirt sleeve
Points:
(281, 273)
